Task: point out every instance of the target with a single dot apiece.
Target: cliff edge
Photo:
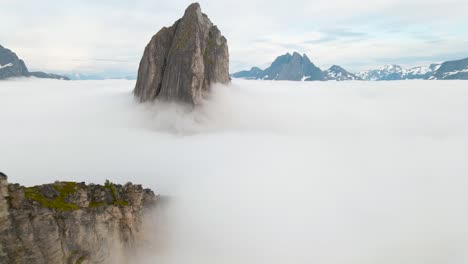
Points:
(70, 222)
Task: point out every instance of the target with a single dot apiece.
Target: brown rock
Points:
(182, 61)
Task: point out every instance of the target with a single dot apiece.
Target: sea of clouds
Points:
(263, 172)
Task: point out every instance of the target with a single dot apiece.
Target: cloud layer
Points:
(264, 172)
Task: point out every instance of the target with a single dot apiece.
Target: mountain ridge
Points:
(12, 66)
(283, 69)
(295, 67)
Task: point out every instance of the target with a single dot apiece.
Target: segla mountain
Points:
(294, 67)
(12, 66)
(181, 62)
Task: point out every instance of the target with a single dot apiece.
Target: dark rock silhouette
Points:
(181, 62)
(12, 66)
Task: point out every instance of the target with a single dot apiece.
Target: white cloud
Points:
(264, 172)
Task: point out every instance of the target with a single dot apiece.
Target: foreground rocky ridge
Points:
(12, 66)
(181, 62)
(69, 222)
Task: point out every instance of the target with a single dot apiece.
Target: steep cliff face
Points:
(182, 61)
(68, 222)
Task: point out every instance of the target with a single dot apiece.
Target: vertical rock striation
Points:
(182, 61)
(68, 222)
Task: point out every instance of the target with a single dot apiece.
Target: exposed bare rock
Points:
(69, 222)
(182, 61)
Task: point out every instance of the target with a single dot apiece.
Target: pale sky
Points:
(109, 36)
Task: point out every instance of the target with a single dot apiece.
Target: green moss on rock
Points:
(59, 203)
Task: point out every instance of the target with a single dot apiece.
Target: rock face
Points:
(68, 222)
(182, 61)
(12, 66)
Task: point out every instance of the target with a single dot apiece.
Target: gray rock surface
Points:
(182, 61)
(68, 222)
(12, 66)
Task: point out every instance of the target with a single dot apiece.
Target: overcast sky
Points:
(109, 36)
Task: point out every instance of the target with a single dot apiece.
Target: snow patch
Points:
(6, 65)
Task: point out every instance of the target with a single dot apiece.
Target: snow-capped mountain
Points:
(387, 72)
(449, 70)
(396, 72)
(337, 73)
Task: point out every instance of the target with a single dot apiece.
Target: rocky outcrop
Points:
(12, 66)
(69, 222)
(182, 61)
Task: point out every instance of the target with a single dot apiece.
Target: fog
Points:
(263, 172)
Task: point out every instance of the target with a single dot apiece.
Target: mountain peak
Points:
(182, 61)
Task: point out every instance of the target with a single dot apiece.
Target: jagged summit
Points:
(182, 61)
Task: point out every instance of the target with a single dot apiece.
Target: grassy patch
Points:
(110, 186)
(59, 204)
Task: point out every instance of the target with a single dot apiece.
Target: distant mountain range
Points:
(299, 68)
(294, 67)
(12, 66)
(450, 70)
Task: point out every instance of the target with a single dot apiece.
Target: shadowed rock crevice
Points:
(181, 62)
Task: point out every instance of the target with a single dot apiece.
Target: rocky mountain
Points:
(293, 67)
(12, 66)
(70, 222)
(396, 72)
(182, 61)
(337, 73)
(451, 70)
